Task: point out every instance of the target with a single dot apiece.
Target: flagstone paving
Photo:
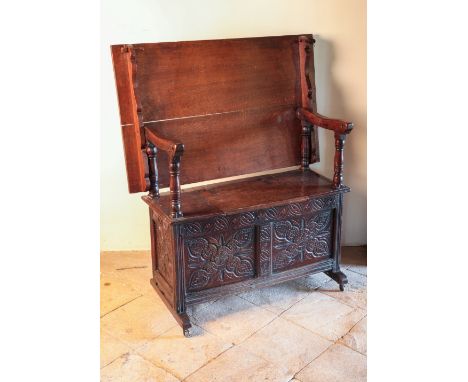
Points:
(303, 330)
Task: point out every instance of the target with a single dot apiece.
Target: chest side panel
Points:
(164, 249)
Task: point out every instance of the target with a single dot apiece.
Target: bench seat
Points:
(247, 194)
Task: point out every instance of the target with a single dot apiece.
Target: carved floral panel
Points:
(301, 240)
(219, 258)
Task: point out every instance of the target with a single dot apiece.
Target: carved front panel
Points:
(219, 258)
(301, 240)
(229, 248)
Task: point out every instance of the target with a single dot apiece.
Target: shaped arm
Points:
(336, 125)
(175, 150)
(167, 145)
(339, 127)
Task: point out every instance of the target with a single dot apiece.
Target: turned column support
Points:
(339, 127)
(151, 152)
(174, 151)
(339, 160)
(305, 145)
(174, 181)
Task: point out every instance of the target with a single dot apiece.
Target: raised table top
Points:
(231, 103)
(247, 194)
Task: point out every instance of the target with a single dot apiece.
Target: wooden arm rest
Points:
(175, 151)
(339, 127)
(171, 147)
(336, 125)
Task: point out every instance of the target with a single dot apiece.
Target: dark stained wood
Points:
(339, 277)
(167, 145)
(151, 152)
(174, 152)
(153, 235)
(242, 78)
(308, 96)
(218, 257)
(174, 184)
(259, 140)
(257, 282)
(341, 129)
(164, 248)
(337, 125)
(191, 78)
(305, 145)
(125, 71)
(247, 194)
(305, 53)
(220, 250)
(230, 107)
(339, 160)
(306, 93)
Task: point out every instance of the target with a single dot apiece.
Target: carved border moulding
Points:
(219, 258)
(301, 240)
(219, 224)
(265, 250)
(251, 218)
(299, 209)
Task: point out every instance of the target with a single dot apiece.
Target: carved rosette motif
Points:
(301, 240)
(164, 249)
(220, 258)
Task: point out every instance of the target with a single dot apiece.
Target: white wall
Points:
(339, 27)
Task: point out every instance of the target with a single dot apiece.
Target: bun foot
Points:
(339, 277)
(186, 325)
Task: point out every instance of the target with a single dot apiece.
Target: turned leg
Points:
(174, 182)
(305, 146)
(335, 273)
(151, 152)
(339, 277)
(184, 321)
(338, 162)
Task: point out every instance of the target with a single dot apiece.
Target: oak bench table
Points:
(229, 107)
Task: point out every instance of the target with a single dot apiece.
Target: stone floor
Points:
(304, 330)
